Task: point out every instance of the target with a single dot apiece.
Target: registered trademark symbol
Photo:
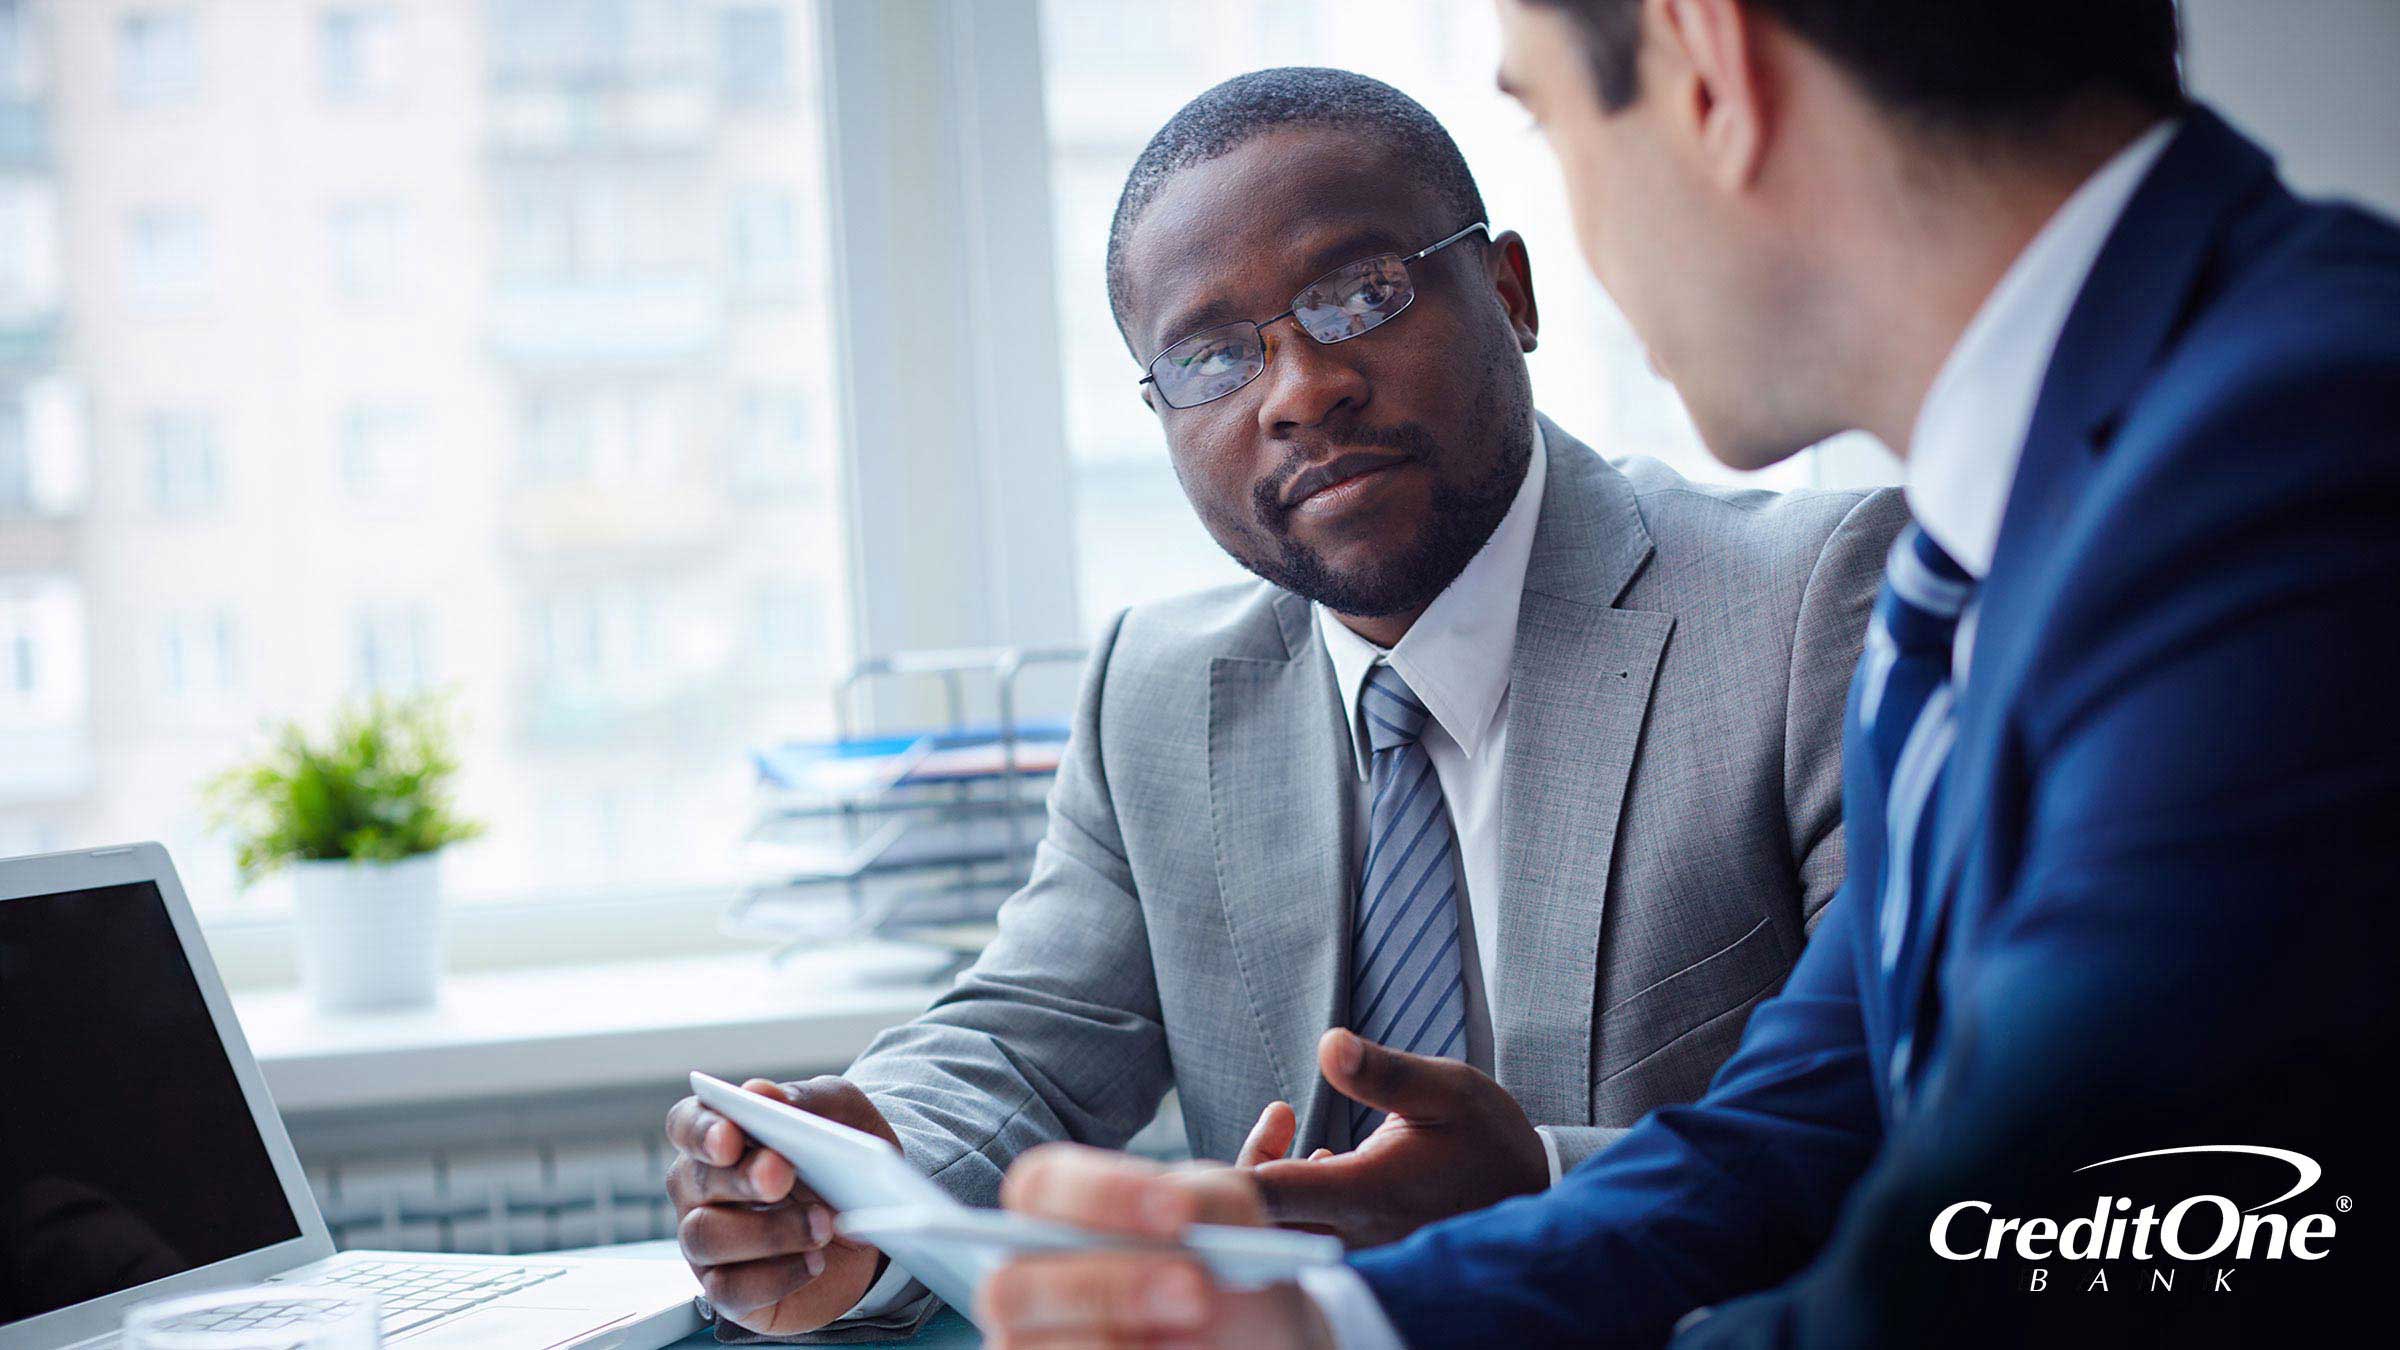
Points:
(2342, 1203)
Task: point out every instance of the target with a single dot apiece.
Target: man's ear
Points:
(1512, 280)
(1712, 82)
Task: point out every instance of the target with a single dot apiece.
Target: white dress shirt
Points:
(1961, 460)
(1962, 454)
(1455, 658)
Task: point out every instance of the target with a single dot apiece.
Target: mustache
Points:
(1405, 438)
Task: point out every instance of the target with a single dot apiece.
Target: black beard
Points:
(1458, 524)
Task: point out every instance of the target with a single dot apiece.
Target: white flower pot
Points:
(370, 934)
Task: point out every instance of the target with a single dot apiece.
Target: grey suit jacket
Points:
(1671, 821)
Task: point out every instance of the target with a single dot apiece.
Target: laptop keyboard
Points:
(414, 1293)
(265, 1316)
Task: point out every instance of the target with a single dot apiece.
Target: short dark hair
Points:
(1228, 116)
(1971, 65)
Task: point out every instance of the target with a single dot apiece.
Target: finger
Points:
(747, 1286)
(697, 1132)
(771, 1174)
(1392, 1081)
(690, 1183)
(840, 1101)
(715, 1235)
(1113, 1298)
(1330, 1191)
(1271, 1137)
(1220, 1194)
(1098, 1189)
(1319, 1154)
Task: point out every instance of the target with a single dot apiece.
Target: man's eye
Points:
(1370, 292)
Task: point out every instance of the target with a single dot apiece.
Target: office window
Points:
(1114, 78)
(466, 388)
(16, 457)
(605, 435)
(186, 469)
(555, 443)
(158, 57)
(778, 445)
(167, 256)
(565, 41)
(359, 52)
(765, 241)
(20, 652)
(200, 652)
(366, 250)
(536, 231)
(602, 648)
(750, 55)
(20, 65)
(613, 224)
(29, 258)
(381, 454)
(41, 670)
(42, 459)
(391, 646)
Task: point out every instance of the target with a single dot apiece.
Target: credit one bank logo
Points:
(2196, 1230)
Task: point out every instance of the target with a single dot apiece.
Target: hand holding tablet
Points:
(950, 1247)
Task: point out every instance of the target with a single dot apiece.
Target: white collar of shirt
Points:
(1962, 455)
(1456, 655)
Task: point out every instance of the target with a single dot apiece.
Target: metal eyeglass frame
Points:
(1260, 329)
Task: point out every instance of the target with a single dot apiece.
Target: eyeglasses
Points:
(1338, 306)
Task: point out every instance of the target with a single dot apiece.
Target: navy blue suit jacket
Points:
(2165, 865)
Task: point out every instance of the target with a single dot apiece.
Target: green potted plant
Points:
(360, 817)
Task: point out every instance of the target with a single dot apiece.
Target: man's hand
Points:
(1453, 1141)
(762, 1243)
(1271, 1138)
(1129, 1299)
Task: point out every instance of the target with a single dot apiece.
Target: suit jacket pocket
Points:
(1661, 1046)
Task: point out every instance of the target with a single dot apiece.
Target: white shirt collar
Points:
(1456, 655)
(1962, 455)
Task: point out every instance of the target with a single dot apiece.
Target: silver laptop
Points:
(141, 1158)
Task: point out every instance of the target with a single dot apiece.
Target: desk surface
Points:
(949, 1331)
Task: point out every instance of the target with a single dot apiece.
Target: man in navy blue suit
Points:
(2094, 1041)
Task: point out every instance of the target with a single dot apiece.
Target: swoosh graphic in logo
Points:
(2305, 1165)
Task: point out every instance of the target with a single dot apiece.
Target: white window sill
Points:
(566, 1028)
(253, 949)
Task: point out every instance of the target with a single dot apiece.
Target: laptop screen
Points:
(127, 1152)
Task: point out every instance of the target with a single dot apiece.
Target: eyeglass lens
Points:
(1336, 307)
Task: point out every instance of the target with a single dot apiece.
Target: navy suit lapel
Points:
(2130, 310)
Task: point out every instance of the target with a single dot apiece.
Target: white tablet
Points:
(949, 1247)
(1237, 1258)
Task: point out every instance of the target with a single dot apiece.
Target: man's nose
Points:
(1307, 383)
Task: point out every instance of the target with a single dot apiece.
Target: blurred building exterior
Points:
(476, 345)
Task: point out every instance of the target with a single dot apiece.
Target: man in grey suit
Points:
(1514, 757)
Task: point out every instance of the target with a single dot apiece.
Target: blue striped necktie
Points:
(1908, 714)
(1407, 983)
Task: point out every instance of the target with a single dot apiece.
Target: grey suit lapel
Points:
(1579, 691)
(1279, 789)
